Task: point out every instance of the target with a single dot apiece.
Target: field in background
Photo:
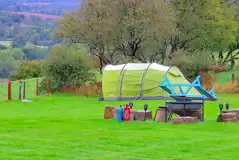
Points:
(42, 16)
(225, 77)
(6, 43)
(72, 127)
(37, 4)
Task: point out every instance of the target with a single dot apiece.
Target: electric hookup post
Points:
(145, 110)
(227, 106)
(221, 107)
(131, 105)
(20, 90)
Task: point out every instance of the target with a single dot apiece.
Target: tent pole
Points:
(120, 83)
(142, 80)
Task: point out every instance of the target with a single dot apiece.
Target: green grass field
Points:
(225, 77)
(6, 43)
(72, 127)
(31, 45)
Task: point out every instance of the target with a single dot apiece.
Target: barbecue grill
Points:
(184, 103)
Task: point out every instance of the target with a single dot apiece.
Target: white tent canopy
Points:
(136, 66)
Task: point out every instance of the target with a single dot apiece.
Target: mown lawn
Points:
(70, 127)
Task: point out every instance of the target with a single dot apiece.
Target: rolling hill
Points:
(41, 15)
(50, 7)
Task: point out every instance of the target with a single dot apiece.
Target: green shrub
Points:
(7, 63)
(48, 85)
(192, 63)
(28, 69)
(66, 67)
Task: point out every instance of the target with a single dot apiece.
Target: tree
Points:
(19, 41)
(192, 63)
(17, 53)
(120, 29)
(45, 35)
(16, 18)
(229, 58)
(7, 63)
(35, 20)
(203, 24)
(34, 38)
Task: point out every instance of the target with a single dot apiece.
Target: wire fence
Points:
(30, 88)
(3, 90)
(14, 90)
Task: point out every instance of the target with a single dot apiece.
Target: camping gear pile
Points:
(181, 120)
(126, 113)
(140, 81)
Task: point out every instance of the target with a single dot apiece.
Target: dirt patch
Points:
(182, 120)
(86, 90)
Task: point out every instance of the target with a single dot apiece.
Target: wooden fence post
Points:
(48, 86)
(9, 90)
(24, 89)
(234, 79)
(37, 93)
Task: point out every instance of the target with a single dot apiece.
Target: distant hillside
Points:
(51, 7)
(24, 37)
(42, 16)
(22, 28)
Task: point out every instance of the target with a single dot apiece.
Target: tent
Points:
(134, 81)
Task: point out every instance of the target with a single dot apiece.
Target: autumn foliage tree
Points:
(121, 31)
(115, 30)
(204, 24)
(207, 24)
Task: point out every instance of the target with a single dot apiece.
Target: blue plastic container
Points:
(120, 114)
